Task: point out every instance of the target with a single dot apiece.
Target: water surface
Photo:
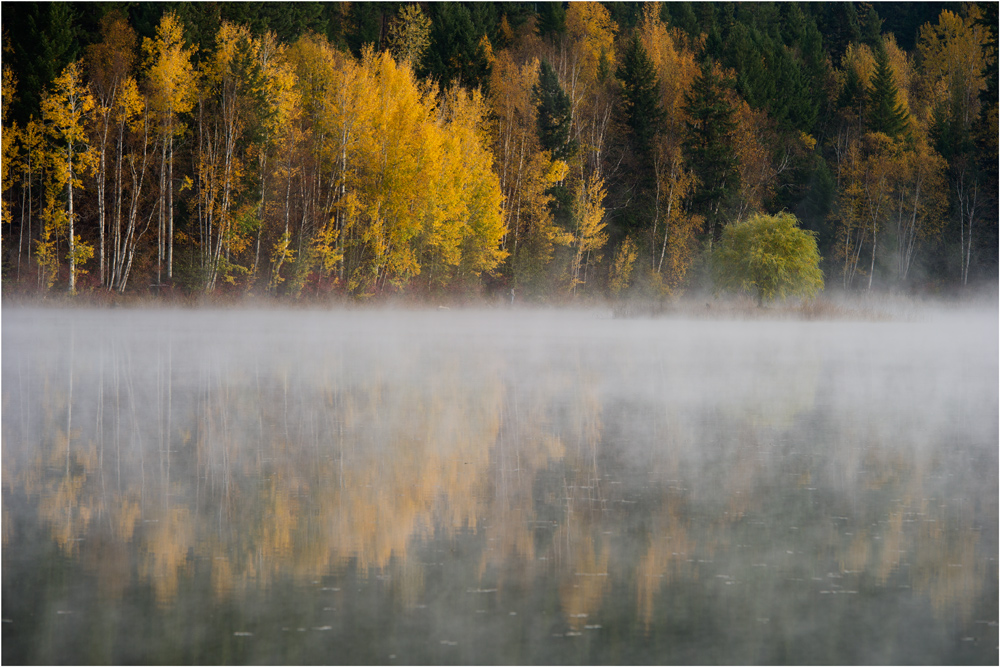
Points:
(194, 486)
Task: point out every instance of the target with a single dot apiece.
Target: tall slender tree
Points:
(172, 82)
(64, 111)
(708, 146)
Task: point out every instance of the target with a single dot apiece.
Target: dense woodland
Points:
(543, 150)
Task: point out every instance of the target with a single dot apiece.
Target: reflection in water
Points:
(455, 487)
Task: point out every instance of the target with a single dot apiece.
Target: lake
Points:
(497, 487)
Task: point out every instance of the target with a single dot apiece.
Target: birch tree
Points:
(172, 82)
(65, 111)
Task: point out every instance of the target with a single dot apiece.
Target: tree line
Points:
(532, 148)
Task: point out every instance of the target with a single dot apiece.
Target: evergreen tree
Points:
(708, 148)
(640, 96)
(854, 95)
(43, 41)
(885, 114)
(457, 50)
(553, 114)
(551, 19)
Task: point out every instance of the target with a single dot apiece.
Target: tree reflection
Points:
(257, 465)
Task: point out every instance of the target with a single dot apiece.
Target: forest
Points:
(548, 151)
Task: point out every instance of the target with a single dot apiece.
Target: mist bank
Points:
(832, 304)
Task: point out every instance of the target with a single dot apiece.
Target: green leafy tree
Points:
(769, 256)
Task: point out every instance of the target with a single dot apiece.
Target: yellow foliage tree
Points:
(172, 83)
(64, 111)
(589, 235)
(673, 55)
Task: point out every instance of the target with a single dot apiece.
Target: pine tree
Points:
(886, 114)
(708, 148)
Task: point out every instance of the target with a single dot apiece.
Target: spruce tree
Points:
(456, 52)
(640, 96)
(885, 114)
(708, 148)
(554, 109)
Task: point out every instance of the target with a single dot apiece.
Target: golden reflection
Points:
(302, 471)
(584, 573)
(667, 557)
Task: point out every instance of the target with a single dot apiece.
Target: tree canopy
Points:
(361, 149)
(770, 257)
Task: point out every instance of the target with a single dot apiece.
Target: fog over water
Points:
(498, 486)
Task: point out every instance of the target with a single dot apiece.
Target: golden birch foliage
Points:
(621, 270)
(674, 56)
(589, 24)
(54, 227)
(525, 171)
(589, 235)
(482, 224)
(865, 198)
(64, 113)
(280, 87)
(318, 154)
(9, 138)
(859, 57)
(676, 65)
(393, 174)
(954, 55)
(753, 139)
(902, 73)
(679, 244)
(129, 104)
(170, 73)
(919, 199)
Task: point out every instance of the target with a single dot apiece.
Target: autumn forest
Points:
(550, 151)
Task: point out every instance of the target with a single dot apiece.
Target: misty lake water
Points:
(497, 486)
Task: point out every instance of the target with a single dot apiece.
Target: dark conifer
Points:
(708, 148)
(885, 114)
(553, 114)
(640, 95)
